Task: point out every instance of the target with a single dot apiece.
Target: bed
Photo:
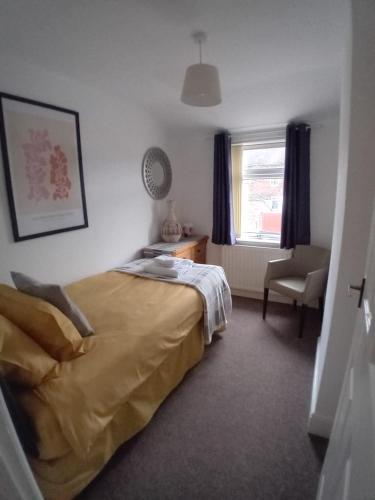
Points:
(88, 406)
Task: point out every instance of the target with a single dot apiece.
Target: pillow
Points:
(55, 295)
(22, 360)
(43, 322)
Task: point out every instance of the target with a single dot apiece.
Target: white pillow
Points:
(55, 295)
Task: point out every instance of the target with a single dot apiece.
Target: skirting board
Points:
(272, 297)
(253, 294)
(315, 384)
(319, 425)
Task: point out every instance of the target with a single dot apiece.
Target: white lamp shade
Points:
(201, 86)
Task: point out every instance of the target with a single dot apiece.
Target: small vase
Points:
(171, 230)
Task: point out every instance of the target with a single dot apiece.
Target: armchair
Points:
(302, 277)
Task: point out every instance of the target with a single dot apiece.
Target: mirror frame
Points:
(152, 157)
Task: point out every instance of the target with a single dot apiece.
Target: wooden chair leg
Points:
(295, 305)
(321, 307)
(302, 319)
(265, 300)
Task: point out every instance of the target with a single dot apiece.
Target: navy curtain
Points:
(223, 227)
(295, 222)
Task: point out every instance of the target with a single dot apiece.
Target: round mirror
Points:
(156, 173)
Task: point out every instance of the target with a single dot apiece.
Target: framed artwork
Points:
(42, 159)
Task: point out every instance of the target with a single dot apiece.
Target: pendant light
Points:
(201, 84)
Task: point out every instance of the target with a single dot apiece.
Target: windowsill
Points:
(258, 243)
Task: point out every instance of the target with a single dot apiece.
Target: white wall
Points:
(122, 217)
(192, 157)
(323, 176)
(355, 195)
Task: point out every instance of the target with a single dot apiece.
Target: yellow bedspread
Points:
(147, 335)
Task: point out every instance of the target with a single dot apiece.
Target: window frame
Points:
(271, 173)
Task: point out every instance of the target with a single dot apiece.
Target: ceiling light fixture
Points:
(201, 84)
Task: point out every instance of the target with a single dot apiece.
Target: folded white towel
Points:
(160, 270)
(165, 261)
(184, 262)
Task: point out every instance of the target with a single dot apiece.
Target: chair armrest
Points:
(315, 284)
(277, 269)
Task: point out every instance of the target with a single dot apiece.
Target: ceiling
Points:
(278, 59)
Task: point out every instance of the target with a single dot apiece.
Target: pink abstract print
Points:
(59, 174)
(36, 164)
(41, 159)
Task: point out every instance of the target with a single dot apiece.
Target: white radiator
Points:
(245, 267)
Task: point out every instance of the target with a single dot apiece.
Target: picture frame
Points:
(42, 159)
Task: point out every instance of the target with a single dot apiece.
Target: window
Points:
(258, 178)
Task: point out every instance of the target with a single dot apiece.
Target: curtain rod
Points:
(260, 129)
(270, 128)
(257, 128)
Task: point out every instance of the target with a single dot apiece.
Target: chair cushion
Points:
(292, 286)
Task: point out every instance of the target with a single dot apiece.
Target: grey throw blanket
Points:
(209, 280)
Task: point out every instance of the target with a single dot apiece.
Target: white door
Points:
(349, 468)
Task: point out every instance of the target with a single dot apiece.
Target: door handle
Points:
(360, 289)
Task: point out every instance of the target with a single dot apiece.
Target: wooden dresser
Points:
(193, 247)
